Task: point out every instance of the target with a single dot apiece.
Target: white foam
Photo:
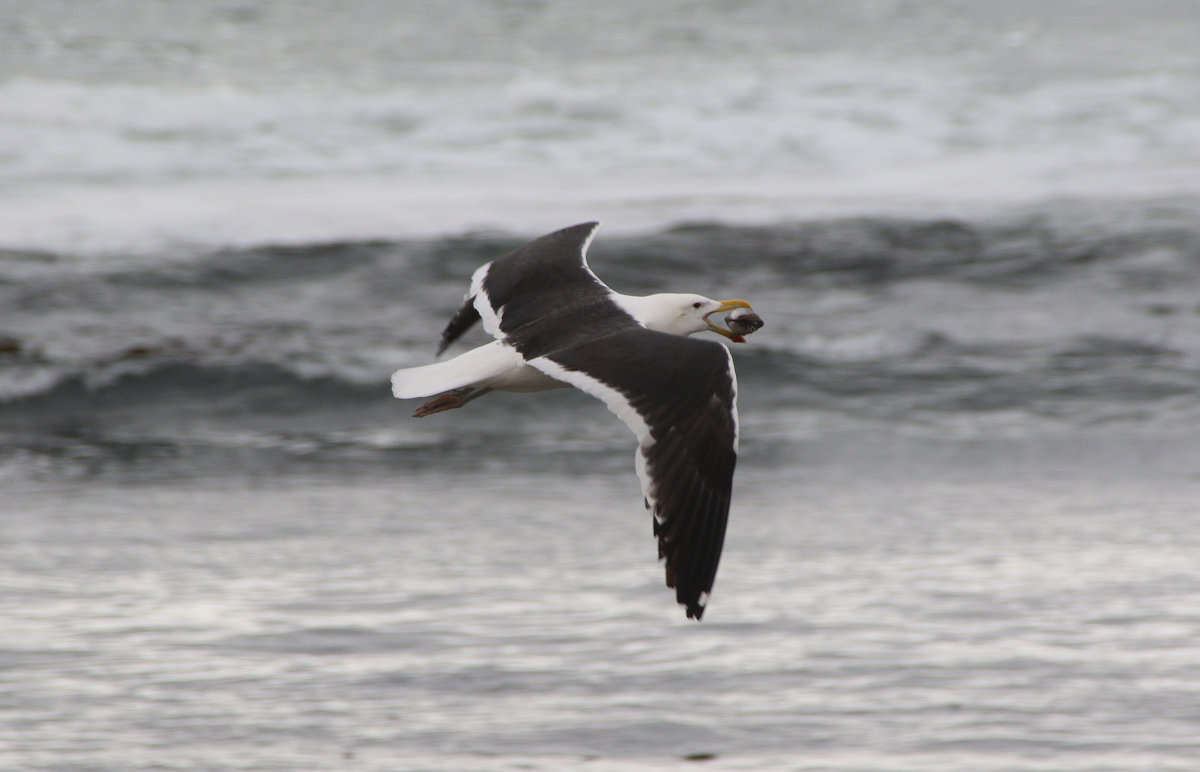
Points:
(763, 130)
(147, 217)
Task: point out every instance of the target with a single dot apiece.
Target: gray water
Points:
(871, 613)
(964, 529)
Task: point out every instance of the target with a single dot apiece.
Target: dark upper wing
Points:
(679, 396)
(545, 279)
(527, 284)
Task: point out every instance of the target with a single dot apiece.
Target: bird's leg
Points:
(450, 400)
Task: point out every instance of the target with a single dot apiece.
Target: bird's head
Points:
(683, 314)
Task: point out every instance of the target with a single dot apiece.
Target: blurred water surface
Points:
(964, 526)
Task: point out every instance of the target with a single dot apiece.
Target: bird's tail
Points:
(467, 369)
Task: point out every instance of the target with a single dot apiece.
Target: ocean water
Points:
(964, 529)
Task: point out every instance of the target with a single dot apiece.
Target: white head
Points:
(683, 314)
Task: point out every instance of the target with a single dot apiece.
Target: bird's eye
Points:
(697, 304)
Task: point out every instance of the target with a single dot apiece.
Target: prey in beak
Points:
(741, 320)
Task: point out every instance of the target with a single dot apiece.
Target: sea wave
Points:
(1037, 241)
(892, 376)
(1072, 315)
(140, 382)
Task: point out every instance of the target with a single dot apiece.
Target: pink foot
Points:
(438, 404)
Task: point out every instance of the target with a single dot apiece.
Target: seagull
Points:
(556, 324)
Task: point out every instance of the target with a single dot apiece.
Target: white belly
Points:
(521, 379)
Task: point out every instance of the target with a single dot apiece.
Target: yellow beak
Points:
(725, 307)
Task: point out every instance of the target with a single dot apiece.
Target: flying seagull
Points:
(556, 324)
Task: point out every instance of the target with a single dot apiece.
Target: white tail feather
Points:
(470, 368)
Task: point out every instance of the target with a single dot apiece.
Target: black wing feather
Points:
(463, 319)
(683, 389)
(545, 280)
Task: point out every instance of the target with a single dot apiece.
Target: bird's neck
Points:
(653, 311)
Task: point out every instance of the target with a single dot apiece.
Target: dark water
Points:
(1041, 323)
